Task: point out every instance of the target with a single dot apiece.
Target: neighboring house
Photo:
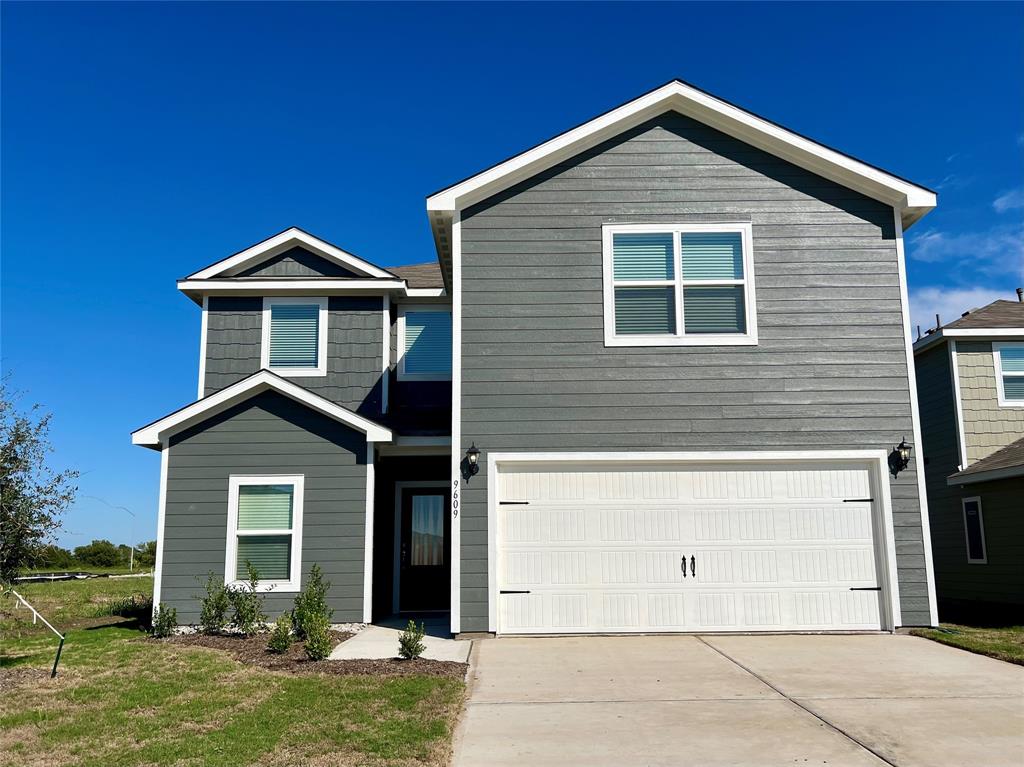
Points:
(651, 384)
(970, 381)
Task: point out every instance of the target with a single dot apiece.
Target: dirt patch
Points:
(20, 675)
(252, 651)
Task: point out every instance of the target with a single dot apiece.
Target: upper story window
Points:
(1009, 359)
(295, 336)
(424, 343)
(679, 285)
(265, 529)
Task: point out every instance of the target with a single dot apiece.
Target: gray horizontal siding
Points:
(281, 437)
(297, 262)
(829, 370)
(354, 349)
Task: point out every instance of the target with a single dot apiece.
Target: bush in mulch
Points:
(253, 651)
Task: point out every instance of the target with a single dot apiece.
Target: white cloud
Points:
(995, 252)
(1010, 200)
(950, 303)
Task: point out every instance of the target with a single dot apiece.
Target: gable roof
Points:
(1002, 464)
(999, 319)
(153, 434)
(426, 275)
(913, 200)
(282, 242)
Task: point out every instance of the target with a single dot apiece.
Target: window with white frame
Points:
(295, 336)
(974, 531)
(265, 529)
(424, 343)
(1009, 359)
(688, 284)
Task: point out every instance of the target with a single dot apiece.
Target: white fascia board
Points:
(978, 334)
(710, 111)
(286, 240)
(157, 432)
(425, 292)
(312, 287)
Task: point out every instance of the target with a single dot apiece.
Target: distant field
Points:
(89, 569)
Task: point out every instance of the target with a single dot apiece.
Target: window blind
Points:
(645, 311)
(294, 335)
(643, 256)
(712, 256)
(716, 309)
(1011, 360)
(428, 342)
(271, 555)
(265, 507)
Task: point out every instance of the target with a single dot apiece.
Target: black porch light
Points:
(473, 460)
(899, 458)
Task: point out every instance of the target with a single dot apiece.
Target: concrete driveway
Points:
(692, 701)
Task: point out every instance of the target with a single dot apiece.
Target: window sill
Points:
(692, 340)
(424, 376)
(278, 587)
(299, 372)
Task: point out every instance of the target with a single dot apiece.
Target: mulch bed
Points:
(252, 651)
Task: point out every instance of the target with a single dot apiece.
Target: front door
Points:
(425, 541)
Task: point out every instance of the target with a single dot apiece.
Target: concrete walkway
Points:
(739, 700)
(380, 640)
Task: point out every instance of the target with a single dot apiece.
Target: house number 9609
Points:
(455, 499)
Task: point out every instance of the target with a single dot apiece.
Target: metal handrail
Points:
(36, 615)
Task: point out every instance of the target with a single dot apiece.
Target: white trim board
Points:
(371, 487)
(298, 483)
(282, 242)
(875, 460)
(915, 417)
(323, 320)
(961, 434)
(702, 106)
(977, 334)
(203, 328)
(678, 284)
(161, 517)
(456, 433)
(385, 369)
(154, 434)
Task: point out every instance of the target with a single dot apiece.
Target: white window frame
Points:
(981, 528)
(678, 283)
(400, 344)
(321, 349)
(997, 349)
(297, 481)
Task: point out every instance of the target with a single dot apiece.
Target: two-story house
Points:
(970, 381)
(653, 382)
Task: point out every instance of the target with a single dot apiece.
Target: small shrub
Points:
(213, 615)
(318, 638)
(165, 621)
(311, 603)
(249, 617)
(137, 606)
(281, 636)
(410, 642)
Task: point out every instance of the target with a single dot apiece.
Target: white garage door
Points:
(676, 548)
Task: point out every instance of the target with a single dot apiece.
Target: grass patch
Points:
(1004, 643)
(123, 699)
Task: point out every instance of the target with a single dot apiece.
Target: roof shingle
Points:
(1010, 457)
(426, 275)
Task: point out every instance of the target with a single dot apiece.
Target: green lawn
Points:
(1003, 643)
(124, 699)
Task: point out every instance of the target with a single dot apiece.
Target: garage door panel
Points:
(765, 549)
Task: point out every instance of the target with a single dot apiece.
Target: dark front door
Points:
(424, 567)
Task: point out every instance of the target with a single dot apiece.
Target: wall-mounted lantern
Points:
(899, 458)
(471, 463)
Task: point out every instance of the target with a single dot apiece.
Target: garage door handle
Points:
(513, 592)
(682, 565)
(693, 566)
(865, 588)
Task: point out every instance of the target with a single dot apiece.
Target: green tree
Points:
(145, 554)
(101, 553)
(32, 495)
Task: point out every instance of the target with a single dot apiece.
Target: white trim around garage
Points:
(323, 320)
(874, 460)
(915, 416)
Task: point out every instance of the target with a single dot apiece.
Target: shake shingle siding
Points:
(269, 434)
(354, 349)
(829, 371)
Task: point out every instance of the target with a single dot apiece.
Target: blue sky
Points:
(142, 141)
